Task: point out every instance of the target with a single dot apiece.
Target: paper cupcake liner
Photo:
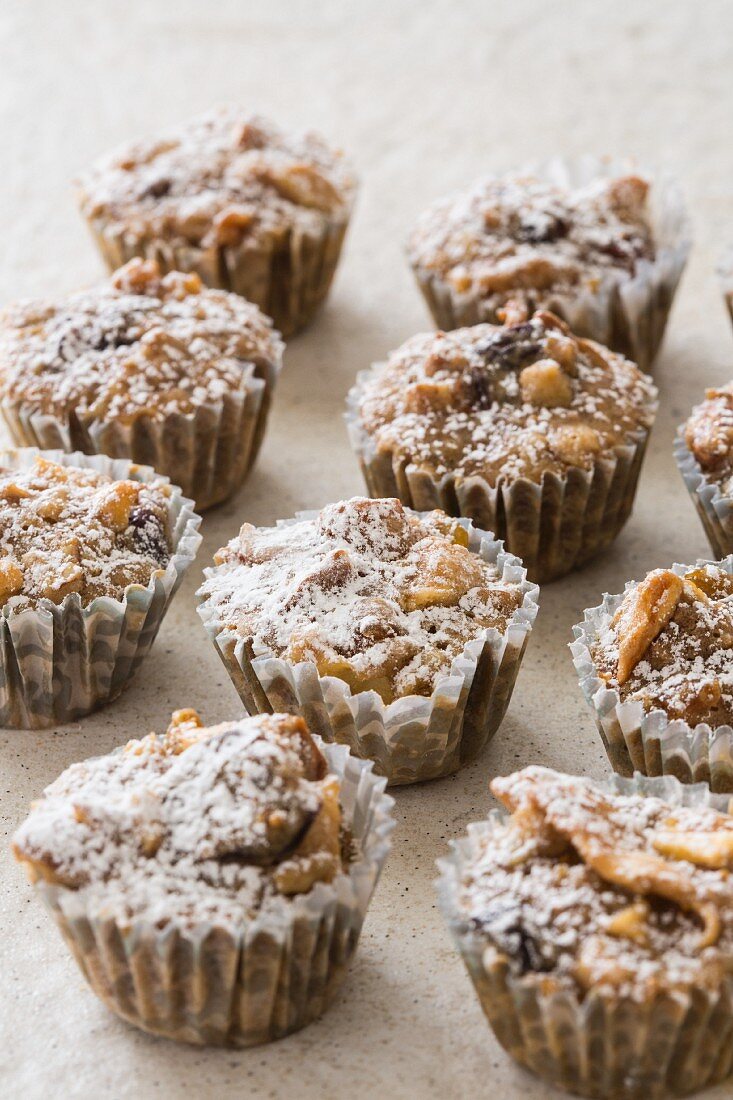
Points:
(627, 314)
(648, 741)
(554, 526)
(602, 1045)
(287, 275)
(58, 662)
(208, 453)
(411, 739)
(713, 507)
(209, 984)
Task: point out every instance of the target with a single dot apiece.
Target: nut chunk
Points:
(669, 645)
(644, 613)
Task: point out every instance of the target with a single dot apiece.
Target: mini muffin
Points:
(596, 923)
(656, 666)
(529, 431)
(704, 453)
(397, 634)
(233, 198)
(152, 368)
(601, 248)
(212, 882)
(91, 553)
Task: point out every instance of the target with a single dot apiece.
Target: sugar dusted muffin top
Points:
(67, 529)
(585, 890)
(137, 345)
(669, 645)
(226, 177)
(709, 435)
(198, 824)
(368, 591)
(504, 402)
(520, 238)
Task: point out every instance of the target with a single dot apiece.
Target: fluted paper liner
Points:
(413, 738)
(276, 972)
(628, 314)
(713, 507)
(602, 1045)
(208, 452)
(648, 741)
(288, 276)
(58, 662)
(554, 526)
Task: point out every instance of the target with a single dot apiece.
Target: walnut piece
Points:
(11, 579)
(644, 612)
(544, 383)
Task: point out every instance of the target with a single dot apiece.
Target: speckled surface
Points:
(425, 97)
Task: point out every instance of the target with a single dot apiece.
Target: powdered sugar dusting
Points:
(186, 827)
(524, 239)
(529, 888)
(367, 591)
(458, 402)
(139, 345)
(225, 176)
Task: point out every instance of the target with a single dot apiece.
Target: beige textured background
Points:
(425, 96)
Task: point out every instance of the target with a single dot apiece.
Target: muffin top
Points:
(69, 529)
(137, 345)
(587, 890)
(500, 403)
(197, 824)
(520, 238)
(227, 177)
(709, 435)
(367, 591)
(669, 645)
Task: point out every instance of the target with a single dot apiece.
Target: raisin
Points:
(511, 347)
(506, 925)
(147, 534)
(541, 230)
(157, 189)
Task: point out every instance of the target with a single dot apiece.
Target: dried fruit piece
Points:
(644, 612)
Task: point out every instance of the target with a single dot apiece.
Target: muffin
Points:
(704, 453)
(527, 430)
(212, 882)
(91, 553)
(148, 367)
(596, 923)
(602, 248)
(234, 199)
(397, 634)
(656, 666)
